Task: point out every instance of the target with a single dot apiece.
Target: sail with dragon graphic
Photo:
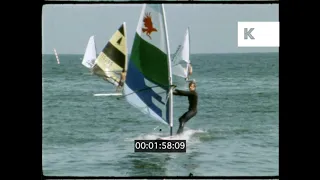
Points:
(112, 61)
(181, 60)
(90, 54)
(148, 83)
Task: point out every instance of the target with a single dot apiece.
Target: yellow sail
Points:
(112, 60)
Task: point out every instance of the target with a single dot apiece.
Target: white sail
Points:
(56, 54)
(90, 54)
(181, 59)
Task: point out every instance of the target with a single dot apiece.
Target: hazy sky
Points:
(213, 27)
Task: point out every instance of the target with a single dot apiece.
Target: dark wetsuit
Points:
(192, 110)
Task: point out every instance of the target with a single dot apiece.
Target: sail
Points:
(112, 60)
(56, 54)
(147, 85)
(90, 55)
(181, 59)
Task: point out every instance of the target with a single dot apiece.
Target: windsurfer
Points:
(122, 79)
(193, 103)
(96, 70)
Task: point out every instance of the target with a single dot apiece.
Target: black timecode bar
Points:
(166, 146)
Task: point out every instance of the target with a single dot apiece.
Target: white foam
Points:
(186, 135)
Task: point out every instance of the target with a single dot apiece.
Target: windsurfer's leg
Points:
(185, 118)
(181, 119)
(120, 86)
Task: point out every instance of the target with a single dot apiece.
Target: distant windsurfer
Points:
(193, 103)
(122, 79)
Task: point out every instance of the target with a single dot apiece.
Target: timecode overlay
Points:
(160, 146)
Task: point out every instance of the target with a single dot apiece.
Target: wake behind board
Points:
(165, 138)
(186, 134)
(109, 94)
(176, 136)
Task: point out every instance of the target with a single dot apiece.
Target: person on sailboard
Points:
(122, 79)
(100, 73)
(189, 72)
(193, 103)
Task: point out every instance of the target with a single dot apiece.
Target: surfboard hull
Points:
(109, 94)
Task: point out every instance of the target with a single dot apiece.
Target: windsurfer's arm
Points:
(182, 93)
(174, 92)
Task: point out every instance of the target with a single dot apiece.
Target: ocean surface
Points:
(235, 133)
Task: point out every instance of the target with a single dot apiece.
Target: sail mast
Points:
(189, 44)
(170, 72)
(125, 35)
(188, 33)
(95, 48)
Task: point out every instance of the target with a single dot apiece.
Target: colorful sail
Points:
(147, 85)
(112, 60)
(90, 55)
(181, 59)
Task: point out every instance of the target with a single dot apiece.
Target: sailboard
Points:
(149, 76)
(90, 54)
(56, 54)
(181, 61)
(109, 94)
(112, 60)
